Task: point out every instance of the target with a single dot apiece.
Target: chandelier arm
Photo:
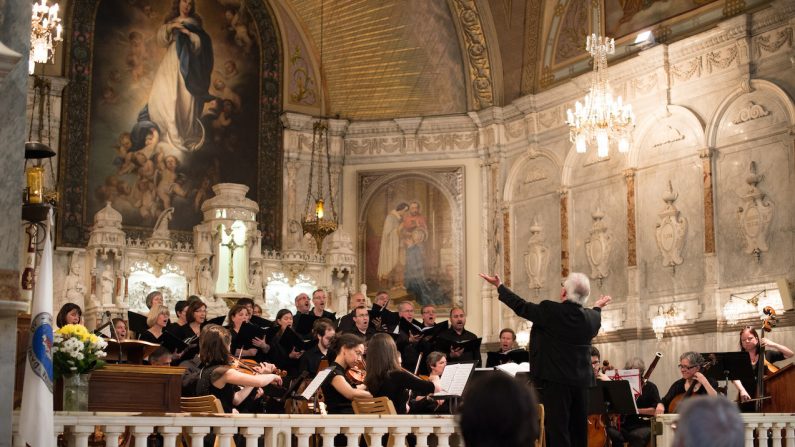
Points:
(328, 174)
(311, 170)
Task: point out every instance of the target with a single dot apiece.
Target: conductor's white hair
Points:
(578, 288)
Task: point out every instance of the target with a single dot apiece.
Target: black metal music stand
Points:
(611, 397)
(727, 366)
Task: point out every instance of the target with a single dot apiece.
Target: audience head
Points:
(323, 332)
(457, 319)
(576, 288)
(302, 303)
(154, 298)
(507, 339)
(361, 318)
(428, 315)
(707, 421)
(197, 312)
(436, 362)
(160, 357)
(214, 345)
(381, 298)
(158, 316)
(119, 329)
(512, 419)
(319, 299)
(70, 313)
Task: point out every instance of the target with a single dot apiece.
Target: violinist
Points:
(323, 333)
(285, 356)
(636, 428)
(157, 321)
(774, 352)
(692, 383)
(385, 376)
(337, 390)
(218, 378)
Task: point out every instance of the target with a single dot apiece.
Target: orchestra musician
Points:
(119, 329)
(560, 343)
(596, 360)
(436, 362)
(693, 382)
(218, 378)
(635, 429)
(385, 376)
(157, 319)
(323, 333)
(70, 313)
(774, 352)
(337, 390)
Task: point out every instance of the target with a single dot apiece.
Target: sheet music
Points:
(454, 379)
(513, 368)
(319, 379)
(630, 375)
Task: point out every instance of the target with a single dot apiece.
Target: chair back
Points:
(373, 405)
(201, 404)
(541, 441)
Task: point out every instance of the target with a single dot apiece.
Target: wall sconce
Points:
(739, 306)
(661, 320)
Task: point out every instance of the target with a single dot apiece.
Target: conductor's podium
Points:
(131, 388)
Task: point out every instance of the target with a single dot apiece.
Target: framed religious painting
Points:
(411, 235)
(167, 98)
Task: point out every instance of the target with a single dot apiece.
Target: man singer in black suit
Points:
(560, 354)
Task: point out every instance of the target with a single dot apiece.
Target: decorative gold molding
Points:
(476, 54)
(531, 51)
(9, 285)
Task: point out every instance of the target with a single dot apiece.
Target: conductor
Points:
(560, 354)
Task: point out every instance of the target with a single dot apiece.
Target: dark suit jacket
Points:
(560, 340)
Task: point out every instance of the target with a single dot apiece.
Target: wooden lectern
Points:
(129, 351)
(781, 387)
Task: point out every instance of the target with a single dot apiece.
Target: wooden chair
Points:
(375, 405)
(541, 441)
(201, 404)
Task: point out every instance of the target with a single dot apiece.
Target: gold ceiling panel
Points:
(384, 59)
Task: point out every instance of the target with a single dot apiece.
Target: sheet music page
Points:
(630, 375)
(310, 389)
(513, 368)
(454, 378)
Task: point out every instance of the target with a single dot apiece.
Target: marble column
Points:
(14, 48)
(632, 253)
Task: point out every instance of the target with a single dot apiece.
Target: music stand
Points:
(727, 366)
(611, 397)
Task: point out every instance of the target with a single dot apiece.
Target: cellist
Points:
(750, 342)
(693, 382)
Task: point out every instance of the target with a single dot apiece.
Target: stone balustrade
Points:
(774, 427)
(274, 429)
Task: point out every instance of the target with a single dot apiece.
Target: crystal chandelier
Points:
(45, 19)
(315, 220)
(601, 119)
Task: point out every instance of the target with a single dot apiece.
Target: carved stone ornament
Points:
(107, 235)
(536, 258)
(750, 112)
(598, 246)
(671, 230)
(755, 214)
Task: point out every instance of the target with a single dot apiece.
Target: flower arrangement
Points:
(76, 351)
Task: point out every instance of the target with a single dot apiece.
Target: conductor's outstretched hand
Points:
(493, 280)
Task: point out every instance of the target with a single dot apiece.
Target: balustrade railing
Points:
(275, 430)
(764, 427)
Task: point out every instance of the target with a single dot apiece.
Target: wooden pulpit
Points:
(780, 386)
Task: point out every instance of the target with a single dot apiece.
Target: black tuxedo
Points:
(560, 362)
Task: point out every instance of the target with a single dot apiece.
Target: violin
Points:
(356, 373)
(247, 366)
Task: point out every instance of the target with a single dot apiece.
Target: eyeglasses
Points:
(687, 367)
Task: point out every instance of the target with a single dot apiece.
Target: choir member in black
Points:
(257, 311)
(635, 429)
(302, 320)
(238, 315)
(774, 352)
(319, 309)
(157, 320)
(195, 316)
(70, 313)
(507, 343)
(286, 360)
(259, 343)
(345, 323)
(456, 332)
(428, 316)
(385, 376)
(154, 299)
(692, 383)
(323, 333)
(407, 342)
(218, 379)
(381, 318)
(119, 329)
(499, 411)
(560, 342)
(361, 323)
(337, 390)
(181, 310)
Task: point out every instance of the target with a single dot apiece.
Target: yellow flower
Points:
(93, 338)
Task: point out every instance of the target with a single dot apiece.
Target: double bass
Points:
(761, 362)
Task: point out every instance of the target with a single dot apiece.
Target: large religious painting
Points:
(412, 233)
(627, 16)
(166, 99)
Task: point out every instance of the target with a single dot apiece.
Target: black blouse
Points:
(150, 337)
(336, 403)
(397, 385)
(678, 387)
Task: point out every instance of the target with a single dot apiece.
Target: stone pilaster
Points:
(632, 251)
(709, 204)
(564, 232)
